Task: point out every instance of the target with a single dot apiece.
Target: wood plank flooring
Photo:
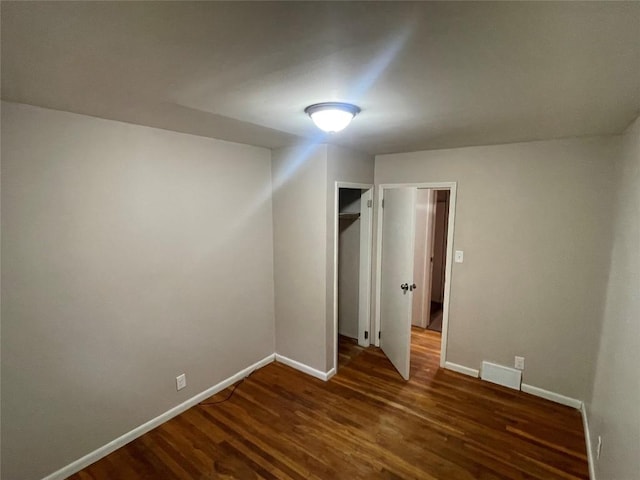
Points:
(365, 423)
(348, 349)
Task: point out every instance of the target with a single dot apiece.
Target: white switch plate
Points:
(181, 381)
(459, 256)
(519, 363)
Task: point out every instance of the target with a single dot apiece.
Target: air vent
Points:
(506, 376)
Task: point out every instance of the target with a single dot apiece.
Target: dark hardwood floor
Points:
(365, 423)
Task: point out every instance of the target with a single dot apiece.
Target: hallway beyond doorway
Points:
(435, 317)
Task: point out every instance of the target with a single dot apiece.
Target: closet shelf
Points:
(348, 216)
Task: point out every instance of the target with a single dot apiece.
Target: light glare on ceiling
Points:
(332, 117)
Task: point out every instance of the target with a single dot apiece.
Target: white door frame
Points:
(366, 249)
(452, 187)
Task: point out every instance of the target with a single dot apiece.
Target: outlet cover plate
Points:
(519, 363)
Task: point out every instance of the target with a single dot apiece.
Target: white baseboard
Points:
(121, 441)
(305, 368)
(587, 437)
(554, 397)
(472, 372)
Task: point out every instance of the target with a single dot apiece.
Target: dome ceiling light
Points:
(332, 116)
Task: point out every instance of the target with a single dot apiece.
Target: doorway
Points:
(439, 260)
(352, 270)
(430, 253)
(406, 254)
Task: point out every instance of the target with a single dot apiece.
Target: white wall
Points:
(614, 406)
(533, 220)
(300, 252)
(123, 265)
(348, 276)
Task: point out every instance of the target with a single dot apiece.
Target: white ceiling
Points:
(426, 74)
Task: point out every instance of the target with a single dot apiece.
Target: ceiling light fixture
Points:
(332, 116)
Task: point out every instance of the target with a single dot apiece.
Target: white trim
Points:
(366, 250)
(554, 397)
(364, 319)
(356, 186)
(472, 372)
(305, 368)
(121, 441)
(336, 233)
(452, 187)
(378, 284)
(453, 193)
(587, 438)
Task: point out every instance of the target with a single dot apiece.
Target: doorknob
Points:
(404, 286)
(412, 287)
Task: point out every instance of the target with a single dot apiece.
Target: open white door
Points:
(396, 276)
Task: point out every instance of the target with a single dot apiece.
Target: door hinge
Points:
(366, 335)
(379, 334)
(369, 203)
(382, 203)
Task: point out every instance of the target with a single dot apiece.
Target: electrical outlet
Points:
(519, 363)
(181, 381)
(599, 447)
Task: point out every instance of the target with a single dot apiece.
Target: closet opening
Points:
(352, 282)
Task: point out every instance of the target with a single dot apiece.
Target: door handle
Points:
(412, 287)
(404, 287)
